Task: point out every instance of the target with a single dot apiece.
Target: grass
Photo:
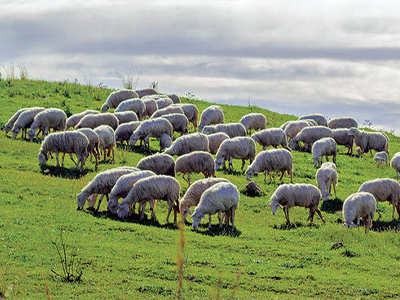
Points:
(261, 258)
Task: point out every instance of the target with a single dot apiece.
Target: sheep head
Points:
(274, 205)
(197, 216)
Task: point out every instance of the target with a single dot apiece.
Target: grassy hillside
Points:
(132, 260)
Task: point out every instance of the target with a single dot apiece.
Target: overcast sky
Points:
(339, 58)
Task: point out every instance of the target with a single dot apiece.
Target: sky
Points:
(338, 58)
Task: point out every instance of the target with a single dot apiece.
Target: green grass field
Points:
(132, 260)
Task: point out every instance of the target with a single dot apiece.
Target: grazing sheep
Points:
(9, 125)
(163, 102)
(188, 143)
(381, 157)
(231, 129)
(343, 122)
(292, 128)
(93, 121)
(136, 105)
(166, 111)
(116, 97)
(126, 116)
(215, 140)
(146, 92)
(194, 192)
(165, 141)
(320, 119)
(211, 115)
(174, 98)
(237, 148)
(395, 163)
(271, 137)
(383, 189)
(254, 121)
(222, 197)
(368, 141)
(191, 112)
(107, 139)
(159, 163)
(324, 147)
(158, 187)
(303, 195)
(342, 138)
(179, 122)
(50, 118)
(195, 162)
(327, 177)
(94, 143)
(25, 120)
(124, 131)
(151, 128)
(271, 160)
(74, 119)
(309, 135)
(151, 106)
(102, 184)
(359, 205)
(65, 142)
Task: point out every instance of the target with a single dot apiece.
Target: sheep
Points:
(65, 142)
(343, 122)
(122, 187)
(299, 194)
(254, 121)
(395, 163)
(102, 184)
(116, 97)
(194, 192)
(215, 140)
(107, 139)
(188, 143)
(324, 147)
(163, 102)
(211, 115)
(125, 117)
(166, 111)
(174, 98)
(158, 187)
(93, 121)
(179, 122)
(381, 157)
(222, 197)
(151, 106)
(231, 129)
(195, 162)
(309, 135)
(292, 128)
(237, 148)
(9, 125)
(271, 160)
(125, 130)
(383, 189)
(368, 141)
(25, 120)
(190, 111)
(165, 141)
(159, 163)
(359, 205)
(94, 143)
(151, 128)
(50, 118)
(271, 137)
(146, 92)
(342, 138)
(74, 119)
(136, 105)
(327, 177)
(320, 119)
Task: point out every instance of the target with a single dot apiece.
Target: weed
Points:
(129, 80)
(23, 72)
(154, 84)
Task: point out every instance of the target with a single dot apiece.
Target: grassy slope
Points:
(130, 260)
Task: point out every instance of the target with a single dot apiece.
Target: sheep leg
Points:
(334, 189)
(393, 212)
(233, 217)
(98, 205)
(320, 215)
(58, 163)
(72, 158)
(183, 176)
(327, 159)
(62, 160)
(220, 219)
(243, 162)
(282, 173)
(153, 215)
(209, 221)
(189, 178)
(227, 217)
(286, 211)
(379, 213)
(311, 215)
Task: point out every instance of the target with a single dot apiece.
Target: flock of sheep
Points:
(144, 114)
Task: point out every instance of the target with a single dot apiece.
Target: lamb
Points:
(158, 187)
(195, 162)
(383, 189)
(166, 111)
(165, 141)
(320, 119)
(125, 117)
(231, 129)
(309, 135)
(342, 138)
(93, 121)
(146, 92)
(74, 119)
(292, 128)
(254, 121)
(343, 122)
(190, 111)
(125, 130)
(94, 143)
(324, 147)
(237, 148)
(179, 122)
(174, 98)
(188, 143)
(271, 137)
(395, 163)
(359, 205)
(116, 97)
(107, 139)
(151, 128)
(381, 157)
(222, 197)
(9, 125)
(159, 163)
(211, 115)
(136, 105)
(368, 141)
(151, 106)
(25, 120)
(163, 102)
(327, 177)
(303, 195)
(102, 184)
(215, 140)
(271, 160)
(50, 118)
(65, 142)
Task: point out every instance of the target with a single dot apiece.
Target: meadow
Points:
(261, 259)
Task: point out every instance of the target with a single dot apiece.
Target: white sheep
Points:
(324, 147)
(93, 121)
(25, 120)
(271, 137)
(151, 128)
(190, 111)
(9, 125)
(359, 205)
(271, 160)
(215, 140)
(327, 177)
(222, 197)
(166, 111)
(94, 143)
(292, 128)
(74, 119)
(342, 122)
(303, 195)
(124, 131)
(159, 163)
(146, 92)
(368, 141)
(50, 118)
(163, 102)
(165, 141)
(151, 106)
(188, 143)
(136, 105)
(174, 98)
(195, 162)
(107, 140)
(395, 163)
(342, 138)
(179, 122)
(231, 129)
(126, 116)
(309, 135)
(116, 97)
(211, 115)
(254, 121)
(381, 157)
(237, 148)
(320, 119)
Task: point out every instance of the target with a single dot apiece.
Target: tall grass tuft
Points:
(154, 84)
(129, 80)
(23, 72)
(47, 292)
(180, 258)
(236, 284)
